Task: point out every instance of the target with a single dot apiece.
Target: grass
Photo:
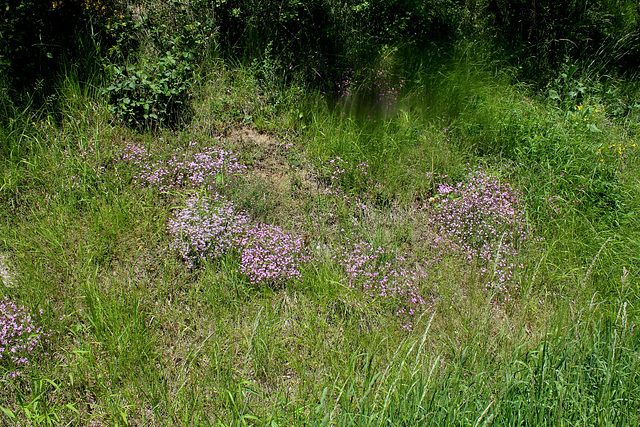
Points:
(140, 338)
(522, 380)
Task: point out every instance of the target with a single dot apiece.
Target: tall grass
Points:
(580, 371)
(572, 162)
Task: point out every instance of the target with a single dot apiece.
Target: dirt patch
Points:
(274, 159)
(5, 273)
(279, 178)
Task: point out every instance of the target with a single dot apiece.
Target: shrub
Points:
(154, 93)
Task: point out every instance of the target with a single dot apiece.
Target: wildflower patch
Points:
(376, 271)
(483, 220)
(192, 167)
(21, 338)
(270, 255)
(205, 228)
(209, 227)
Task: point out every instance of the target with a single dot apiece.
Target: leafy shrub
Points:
(160, 43)
(21, 339)
(154, 93)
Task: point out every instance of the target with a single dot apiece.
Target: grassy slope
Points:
(142, 340)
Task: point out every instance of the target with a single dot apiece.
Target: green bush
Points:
(151, 61)
(154, 93)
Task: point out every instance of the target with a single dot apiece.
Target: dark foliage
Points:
(37, 36)
(539, 35)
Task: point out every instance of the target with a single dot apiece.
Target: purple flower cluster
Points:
(20, 338)
(341, 169)
(270, 255)
(374, 271)
(194, 167)
(205, 228)
(483, 220)
(210, 227)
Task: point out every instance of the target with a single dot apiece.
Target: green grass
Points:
(578, 371)
(140, 339)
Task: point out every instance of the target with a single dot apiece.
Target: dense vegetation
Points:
(319, 213)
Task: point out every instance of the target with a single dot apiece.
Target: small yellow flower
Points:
(579, 107)
(596, 111)
(602, 160)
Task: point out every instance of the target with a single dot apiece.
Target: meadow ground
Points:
(462, 252)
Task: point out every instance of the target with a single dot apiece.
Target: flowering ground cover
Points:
(22, 340)
(205, 228)
(484, 222)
